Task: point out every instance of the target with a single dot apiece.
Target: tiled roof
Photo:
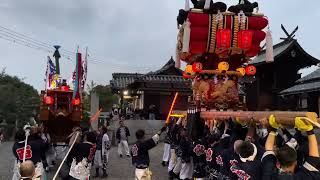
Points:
(166, 67)
(121, 80)
(278, 49)
(313, 76)
(281, 48)
(161, 78)
(306, 84)
(304, 87)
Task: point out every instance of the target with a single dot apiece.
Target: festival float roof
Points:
(309, 83)
(283, 48)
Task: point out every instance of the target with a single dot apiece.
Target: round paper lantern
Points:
(75, 102)
(197, 67)
(186, 76)
(251, 70)
(223, 66)
(242, 71)
(189, 70)
(48, 100)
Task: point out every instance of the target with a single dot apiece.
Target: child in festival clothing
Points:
(27, 170)
(35, 151)
(287, 156)
(140, 153)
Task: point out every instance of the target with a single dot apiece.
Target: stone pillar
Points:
(94, 102)
(142, 100)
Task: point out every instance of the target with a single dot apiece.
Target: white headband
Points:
(252, 157)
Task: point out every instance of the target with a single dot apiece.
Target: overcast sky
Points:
(127, 35)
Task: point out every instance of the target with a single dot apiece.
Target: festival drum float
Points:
(217, 46)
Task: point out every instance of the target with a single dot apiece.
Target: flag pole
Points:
(47, 75)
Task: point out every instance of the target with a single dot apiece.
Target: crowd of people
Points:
(231, 151)
(227, 151)
(88, 149)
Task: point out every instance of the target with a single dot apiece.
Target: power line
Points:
(27, 41)
(31, 39)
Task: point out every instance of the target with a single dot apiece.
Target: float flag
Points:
(50, 72)
(78, 79)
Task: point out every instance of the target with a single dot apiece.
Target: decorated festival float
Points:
(61, 105)
(218, 43)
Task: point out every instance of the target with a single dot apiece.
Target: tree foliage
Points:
(106, 97)
(18, 100)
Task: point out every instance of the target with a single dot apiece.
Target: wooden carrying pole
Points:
(286, 118)
(171, 108)
(65, 157)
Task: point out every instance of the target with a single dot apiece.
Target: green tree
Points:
(19, 101)
(106, 97)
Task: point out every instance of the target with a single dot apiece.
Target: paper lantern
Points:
(197, 67)
(245, 39)
(189, 70)
(65, 88)
(223, 66)
(251, 70)
(242, 71)
(48, 100)
(75, 102)
(223, 38)
(186, 76)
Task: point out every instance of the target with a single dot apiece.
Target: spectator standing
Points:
(122, 136)
(1, 136)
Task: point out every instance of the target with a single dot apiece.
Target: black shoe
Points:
(164, 163)
(120, 155)
(97, 173)
(105, 174)
(171, 175)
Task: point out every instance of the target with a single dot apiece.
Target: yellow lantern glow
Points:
(189, 70)
(242, 71)
(223, 66)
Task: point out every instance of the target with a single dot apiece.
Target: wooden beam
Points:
(217, 72)
(286, 118)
